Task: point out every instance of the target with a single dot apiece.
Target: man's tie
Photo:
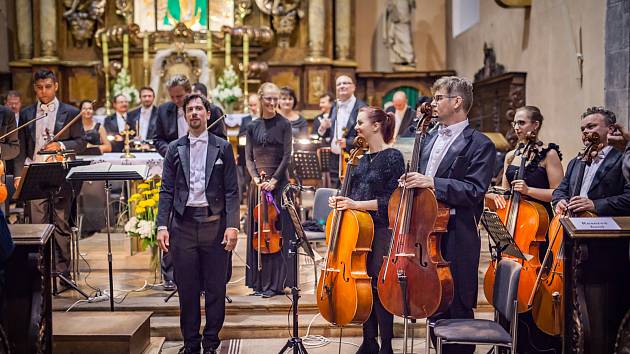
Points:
(446, 132)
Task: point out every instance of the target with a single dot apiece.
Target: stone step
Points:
(155, 346)
(101, 332)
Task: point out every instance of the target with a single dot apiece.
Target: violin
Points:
(415, 281)
(267, 238)
(344, 289)
(3, 187)
(547, 298)
(527, 221)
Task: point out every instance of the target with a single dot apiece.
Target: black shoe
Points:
(256, 293)
(209, 351)
(268, 294)
(369, 346)
(184, 350)
(386, 347)
(169, 285)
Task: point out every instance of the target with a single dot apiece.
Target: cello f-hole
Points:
(343, 272)
(422, 262)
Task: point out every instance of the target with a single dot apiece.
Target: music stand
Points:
(43, 181)
(503, 241)
(107, 172)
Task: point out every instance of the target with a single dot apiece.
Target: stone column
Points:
(316, 30)
(343, 27)
(48, 28)
(24, 15)
(617, 64)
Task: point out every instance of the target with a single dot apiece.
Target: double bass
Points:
(415, 281)
(547, 298)
(344, 289)
(527, 221)
(267, 238)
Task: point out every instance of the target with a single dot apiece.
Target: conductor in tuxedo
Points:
(403, 113)
(198, 220)
(604, 189)
(171, 123)
(457, 162)
(56, 115)
(340, 127)
(143, 118)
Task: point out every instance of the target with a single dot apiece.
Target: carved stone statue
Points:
(397, 34)
(82, 16)
(285, 15)
(490, 66)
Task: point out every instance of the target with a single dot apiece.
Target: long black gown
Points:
(268, 149)
(376, 177)
(530, 338)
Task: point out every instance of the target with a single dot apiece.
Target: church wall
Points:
(428, 32)
(543, 47)
(4, 36)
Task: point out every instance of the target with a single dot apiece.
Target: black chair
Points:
(320, 214)
(477, 331)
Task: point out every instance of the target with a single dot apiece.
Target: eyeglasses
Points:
(270, 99)
(438, 98)
(519, 123)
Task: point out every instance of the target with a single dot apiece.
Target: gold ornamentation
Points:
(124, 8)
(285, 17)
(242, 8)
(82, 17)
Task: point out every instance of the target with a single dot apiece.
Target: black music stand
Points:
(43, 181)
(500, 236)
(107, 172)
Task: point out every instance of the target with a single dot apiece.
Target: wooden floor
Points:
(253, 324)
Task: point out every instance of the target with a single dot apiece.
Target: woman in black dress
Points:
(286, 108)
(373, 181)
(543, 173)
(268, 149)
(93, 133)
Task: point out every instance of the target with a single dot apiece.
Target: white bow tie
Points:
(445, 132)
(50, 107)
(194, 140)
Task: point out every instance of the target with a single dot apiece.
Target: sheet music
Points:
(142, 170)
(108, 171)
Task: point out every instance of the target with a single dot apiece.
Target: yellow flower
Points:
(159, 184)
(144, 186)
(150, 203)
(156, 197)
(140, 210)
(135, 197)
(155, 191)
(146, 193)
(143, 204)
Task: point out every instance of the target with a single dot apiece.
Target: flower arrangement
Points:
(122, 85)
(145, 205)
(228, 90)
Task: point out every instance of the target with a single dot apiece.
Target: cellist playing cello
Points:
(374, 180)
(458, 164)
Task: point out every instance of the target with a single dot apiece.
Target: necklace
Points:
(371, 157)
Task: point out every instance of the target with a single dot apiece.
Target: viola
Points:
(415, 281)
(267, 238)
(528, 222)
(547, 296)
(344, 289)
(3, 187)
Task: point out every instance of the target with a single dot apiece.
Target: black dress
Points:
(376, 177)
(268, 149)
(530, 338)
(299, 128)
(92, 136)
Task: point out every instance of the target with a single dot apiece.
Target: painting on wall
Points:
(198, 15)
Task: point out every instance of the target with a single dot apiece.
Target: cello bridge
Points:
(405, 255)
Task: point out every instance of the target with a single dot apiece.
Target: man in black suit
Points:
(198, 220)
(457, 162)
(343, 116)
(9, 146)
(404, 115)
(117, 122)
(143, 118)
(33, 139)
(326, 102)
(171, 124)
(14, 104)
(604, 190)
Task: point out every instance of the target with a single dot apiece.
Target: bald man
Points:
(404, 115)
(343, 115)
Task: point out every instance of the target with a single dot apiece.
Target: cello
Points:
(415, 281)
(267, 238)
(527, 221)
(344, 289)
(547, 298)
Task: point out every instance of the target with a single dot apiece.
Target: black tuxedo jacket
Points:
(111, 126)
(352, 121)
(609, 191)
(221, 183)
(71, 138)
(9, 146)
(166, 125)
(405, 126)
(134, 116)
(461, 182)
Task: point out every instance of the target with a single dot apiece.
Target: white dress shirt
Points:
(121, 121)
(590, 171)
(145, 120)
(399, 115)
(344, 109)
(44, 127)
(197, 183)
(182, 125)
(446, 137)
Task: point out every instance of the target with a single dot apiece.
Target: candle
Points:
(228, 49)
(245, 62)
(105, 50)
(126, 52)
(145, 49)
(209, 47)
